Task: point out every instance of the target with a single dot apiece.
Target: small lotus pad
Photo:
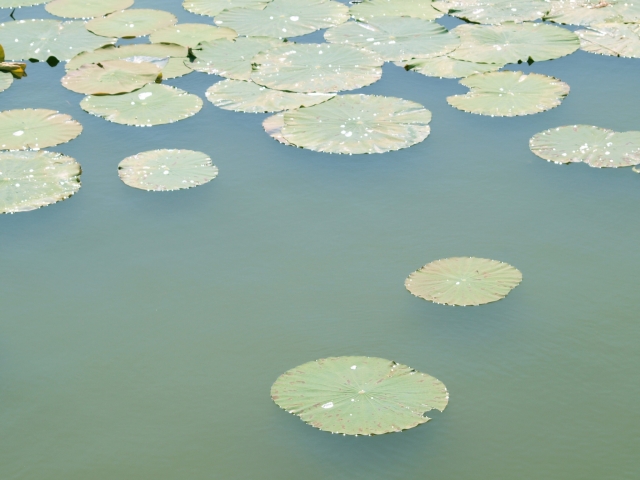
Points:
(131, 23)
(35, 129)
(370, 9)
(214, 7)
(86, 8)
(111, 77)
(191, 34)
(447, 67)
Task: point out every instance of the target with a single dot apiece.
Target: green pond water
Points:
(140, 332)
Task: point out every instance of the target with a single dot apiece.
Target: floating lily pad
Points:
(370, 9)
(230, 59)
(86, 8)
(447, 67)
(359, 395)
(316, 67)
(212, 8)
(6, 79)
(284, 18)
(21, 3)
(40, 39)
(111, 78)
(590, 12)
(495, 12)
(36, 129)
(354, 124)
(509, 94)
(33, 179)
(615, 39)
(513, 43)
(191, 34)
(463, 281)
(595, 146)
(131, 23)
(167, 170)
(273, 126)
(397, 38)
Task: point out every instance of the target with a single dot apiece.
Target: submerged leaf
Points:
(36, 129)
(370, 9)
(447, 67)
(131, 23)
(191, 34)
(86, 8)
(494, 12)
(615, 39)
(214, 7)
(111, 77)
(359, 395)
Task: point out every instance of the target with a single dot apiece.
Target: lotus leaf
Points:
(284, 18)
(397, 38)
(111, 77)
(595, 146)
(273, 126)
(176, 67)
(359, 395)
(34, 179)
(495, 12)
(447, 67)
(35, 129)
(513, 43)
(214, 7)
(590, 12)
(151, 105)
(230, 59)
(615, 39)
(86, 8)
(131, 23)
(6, 79)
(509, 94)
(370, 9)
(41, 39)
(191, 34)
(21, 3)
(463, 281)
(316, 67)
(354, 124)
(167, 170)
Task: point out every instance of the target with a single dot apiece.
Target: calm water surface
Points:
(140, 332)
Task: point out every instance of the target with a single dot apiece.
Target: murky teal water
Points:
(140, 332)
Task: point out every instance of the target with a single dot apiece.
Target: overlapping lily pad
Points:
(151, 105)
(463, 281)
(447, 67)
(231, 59)
(615, 39)
(21, 3)
(6, 79)
(370, 9)
(191, 34)
(595, 146)
(131, 23)
(40, 39)
(316, 67)
(591, 12)
(273, 126)
(86, 8)
(359, 395)
(509, 94)
(167, 170)
(513, 43)
(397, 38)
(34, 129)
(33, 179)
(494, 12)
(212, 8)
(111, 77)
(284, 18)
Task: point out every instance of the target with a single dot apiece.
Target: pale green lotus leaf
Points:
(284, 18)
(615, 39)
(33, 179)
(131, 23)
(595, 146)
(212, 8)
(397, 38)
(273, 126)
(21, 3)
(316, 67)
(111, 77)
(86, 8)
(6, 79)
(231, 59)
(167, 170)
(513, 43)
(191, 34)
(509, 94)
(34, 129)
(241, 96)
(370, 9)
(356, 124)
(463, 281)
(495, 12)
(153, 104)
(447, 67)
(591, 12)
(40, 39)
(359, 395)
(176, 67)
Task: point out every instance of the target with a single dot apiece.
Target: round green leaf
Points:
(463, 281)
(33, 179)
(509, 94)
(21, 3)
(397, 38)
(595, 146)
(35, 129)
(316, 67)
(615, 39)
(513, 43)
(370, 9)
(191, 34)
(447, 67)
(135, 22)
(284, 18)
(359, 395)
(167, 170)
(495, 12)
(212, 8)
(86, 8)
(230, 59)
(591, 12)
(6, 79)
(151, 105)
(111, 77)
(354, 124)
